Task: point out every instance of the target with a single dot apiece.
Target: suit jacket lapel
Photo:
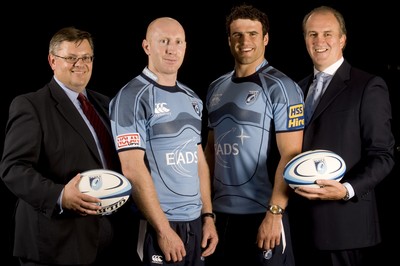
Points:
(335, 87)
(70, 113)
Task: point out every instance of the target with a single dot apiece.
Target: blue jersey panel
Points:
(166, 123)
(243, 113)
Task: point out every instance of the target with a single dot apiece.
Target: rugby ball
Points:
(308, 166)
(112, 188)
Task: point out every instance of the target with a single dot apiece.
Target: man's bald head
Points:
(163, 23)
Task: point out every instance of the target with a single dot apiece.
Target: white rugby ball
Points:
(112, 188)
(308, 166)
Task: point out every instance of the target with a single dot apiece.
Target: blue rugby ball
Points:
(112, 188)
(308, 166)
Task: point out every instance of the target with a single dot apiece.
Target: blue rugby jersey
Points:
(166, 123)
(244, 113)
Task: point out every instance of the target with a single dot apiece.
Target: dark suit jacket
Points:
(47, 143)
(352, 119)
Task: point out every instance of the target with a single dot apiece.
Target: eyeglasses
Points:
(74, 60)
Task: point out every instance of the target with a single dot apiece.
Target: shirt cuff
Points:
(349, 189)
(59, 202)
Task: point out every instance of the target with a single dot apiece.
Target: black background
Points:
(118, 28)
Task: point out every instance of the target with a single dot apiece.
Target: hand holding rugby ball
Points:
(308, 166)
(112, 188)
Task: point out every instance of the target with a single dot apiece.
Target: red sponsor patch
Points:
(128, 140)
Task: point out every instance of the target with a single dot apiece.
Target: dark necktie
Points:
(314, 95)
(101, 131)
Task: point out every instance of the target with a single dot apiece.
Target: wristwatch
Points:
(276, 209)
(209, 214)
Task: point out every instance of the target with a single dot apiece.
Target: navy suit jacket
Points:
(47, 143)
(352, 119)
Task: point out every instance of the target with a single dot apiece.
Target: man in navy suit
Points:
(48, 143)
(337, 224)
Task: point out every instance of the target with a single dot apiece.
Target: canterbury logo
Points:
(161, 108)
(157, 259)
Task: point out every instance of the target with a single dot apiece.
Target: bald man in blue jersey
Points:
(156, 123)
(256, 126)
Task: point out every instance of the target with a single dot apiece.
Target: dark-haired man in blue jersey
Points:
(156, 123)
(256, 126)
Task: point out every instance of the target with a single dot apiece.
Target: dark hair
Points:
(246, 11)
(69, 34)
